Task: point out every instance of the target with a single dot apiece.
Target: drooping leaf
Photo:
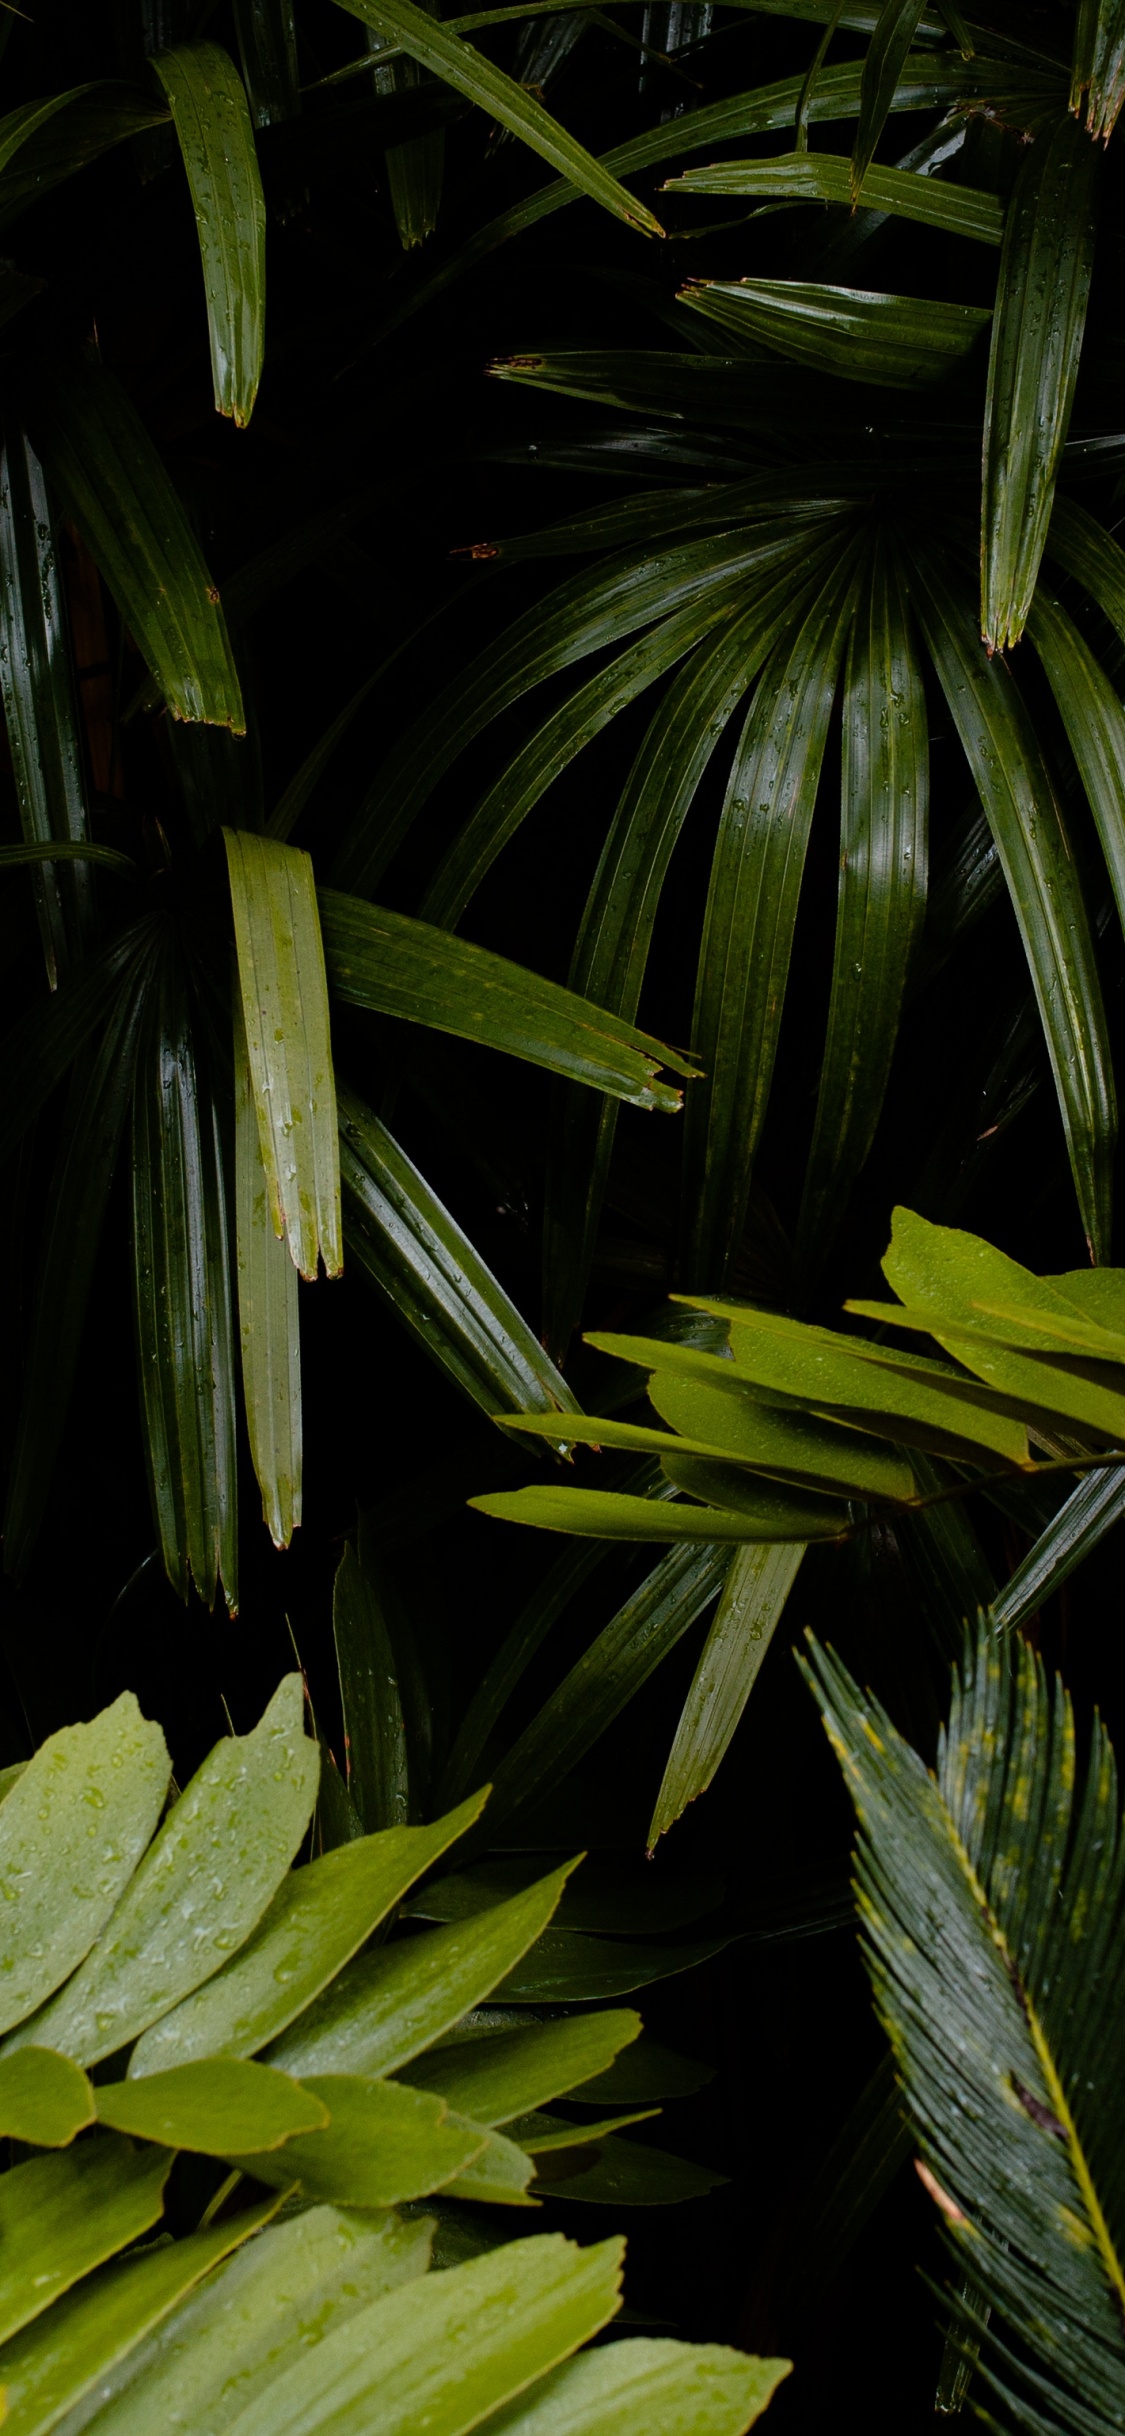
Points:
(414, 170)
(211, 117)
(62, 1881)
(1094, 721)
(215, 2104)
(185, 1335)
(1026, 821)
(200, 1890)
(1041, 296)
(470, 73)
(899, 342)
(285, 1011)
(375, 1741)
(435, 1281)
(268, 1316)
(106, 474)
(1098, 71)
(38, 698)
(754, 1594)
(399, 966)
(43, 1044)
(319, 1918)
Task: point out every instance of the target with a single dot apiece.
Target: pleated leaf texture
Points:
(991, 1893)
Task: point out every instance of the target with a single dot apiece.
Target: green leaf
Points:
(97, 1106)
(72, 1830)
(785, 1444)
(540, 2134)
(605, 1514)
(991, 1892)
(248, 2322)
(1080, 1525)
(826, 177)
(200, 1890)
(319, 1918)
(751, 913)
(640, 2073)
(613, 1899)
(470, 73)
(408, 1244)
(1077, 543)
(212, 121)
(45, 142)
(641, 2387)
(214, 2105)
(1027, 823)
(60, 2216)
(375, 1741)
(860, 334)
(106, 474)
(511, 2072)
(185, 1335)
(389, 2006)
(498, 2175)
(1094, 721)
(44, 2098)
(383, 2144)
(267, 49)
(414, 170)
(399, 966)
(1040, 317)
(285, 1011)
(884, 825)
(38, 698)
(46, 2371)
(268, 1317)
(625, 2174)
(42, 1045)
(754, 1594)
(887, 53)
(1099, 64)
(564, 1968)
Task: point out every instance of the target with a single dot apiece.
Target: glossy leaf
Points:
(106, 474)
(319, 1918)
(784, 1444)
(48, 2370)
(605, 1514)
(511, 2072)
(60, 2216)
(267, 50)
(1027, 824)
(886, 56)
(826, 177)
(185, 1335)
(389, 2006)
(751, 912)
(638, 2385)
(200, 1890)
(72, 1830)
(44, 2098)
(381, 2145)
(285, 1011)
(378, 1772)
(880, 908)
(1098, 71)
(213, 2105)
(1094, 721)
(754, 1595)
(38, 697)
(211, 117)
(268, 1317)
(1077, 543)
(435, 1281)
(414, 170)
(242, 2330)
(1081, 1523)
(399, 966)
(899, 342)
(470, 73)
(1040, 317)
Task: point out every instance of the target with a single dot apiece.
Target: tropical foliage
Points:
(367, 877)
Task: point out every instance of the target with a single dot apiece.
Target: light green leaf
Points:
(604, 1514)
(1041, 296)
(212, 122)
(644, 2387)
(511, 2072)
(243, 2328)
(860, 334)
(200, 1890)
(778, 1440)
(214, 2105)
(48, 2369)
(44, 2098)
(383, 2144)
(399, 966)
(470, 73)
(285, 1011)
(498, 2175)
(826, 177)
(72, 1830)
(106, 474)
(268, 1316)
(61, 2216)
(390, 2005)
(318, 1919)
(754, 1594)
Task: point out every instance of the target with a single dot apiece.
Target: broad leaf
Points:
(44, 2098)
(382, 2144)
(61, 2216)
(638, 2386)
(511, 2072)
(214, 2105)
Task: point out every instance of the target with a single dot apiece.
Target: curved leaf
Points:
(212, 121)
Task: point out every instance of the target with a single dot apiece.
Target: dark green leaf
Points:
(860, 334)
(268, 1316)
(887, 52)
(826, 177)
(45, 142)
(565, 1968)
(626, 2174)
(378, 1773)
(211, 117)
(284, 994)
(39, 708)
